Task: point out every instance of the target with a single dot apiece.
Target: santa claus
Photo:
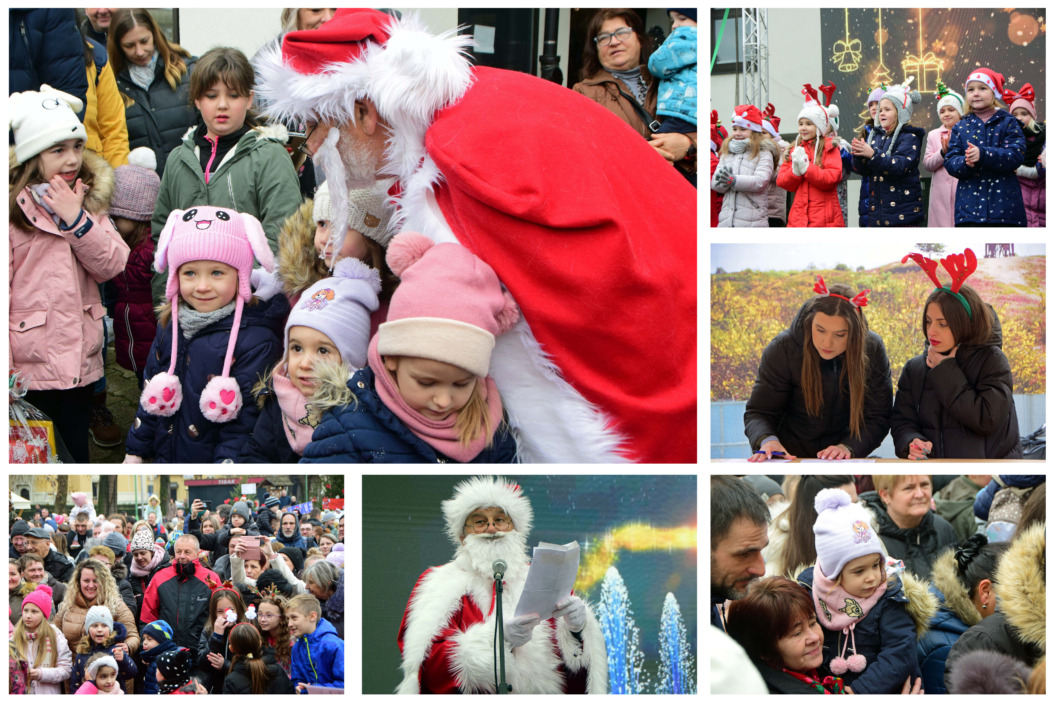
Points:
(591, 231)
(447, 633)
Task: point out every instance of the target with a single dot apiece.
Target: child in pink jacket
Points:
(942, 184)
(61, 246)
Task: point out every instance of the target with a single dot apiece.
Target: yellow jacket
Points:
(105, 117)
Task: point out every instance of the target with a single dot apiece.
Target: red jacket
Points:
(716, 197)
(815, 196)
(135, 324)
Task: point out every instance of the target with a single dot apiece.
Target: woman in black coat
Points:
(153, 76)
(909, 529)
(801, 404)
(955, 400)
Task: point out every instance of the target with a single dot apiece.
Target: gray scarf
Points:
(633, 80)
(143, 76)
(191, 321)
(738, 146)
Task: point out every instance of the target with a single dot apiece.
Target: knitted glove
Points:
(723, 178)
(519, 631)
(1027, 172)
(799, 161)
(572, 610)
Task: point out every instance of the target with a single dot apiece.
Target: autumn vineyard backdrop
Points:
(747, 309)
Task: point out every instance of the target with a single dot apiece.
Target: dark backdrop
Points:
(404, 534)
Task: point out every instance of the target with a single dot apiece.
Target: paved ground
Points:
(122, 398)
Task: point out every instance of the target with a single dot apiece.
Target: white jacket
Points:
(746, 203)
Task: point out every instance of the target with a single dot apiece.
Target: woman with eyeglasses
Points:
(614, 74)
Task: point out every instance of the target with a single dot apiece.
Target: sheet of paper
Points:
(844, 460)
(551, 578)
(743, 460)
(484, 39)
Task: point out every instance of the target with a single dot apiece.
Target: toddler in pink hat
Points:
(425, 395)
(222, 339)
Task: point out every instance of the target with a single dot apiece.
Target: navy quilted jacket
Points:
(895, 196)
(989, 191)
(44, 46)
(159, 116)
(187, 436)
(933, 647)
(368, 432)
(268, 442)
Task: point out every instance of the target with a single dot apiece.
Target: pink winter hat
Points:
(449, 306)
(42, 598)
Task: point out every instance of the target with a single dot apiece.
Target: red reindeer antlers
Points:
(828, 91)
(960, 266)
(820, 287)
(810, 92)
(858, 301)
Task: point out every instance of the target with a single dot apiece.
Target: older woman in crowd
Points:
(92, 584)
(327, 582)
(911, 531)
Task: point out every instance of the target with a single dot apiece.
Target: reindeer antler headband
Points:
(858, 301)
(960, 266)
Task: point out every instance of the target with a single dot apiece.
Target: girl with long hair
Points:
(253, 670)
(955, 400)
(41, 646)
(748, 161)
(791, 544)
(272, 623)
(823, 387)
(226, 609)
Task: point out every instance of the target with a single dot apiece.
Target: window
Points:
(730, 53)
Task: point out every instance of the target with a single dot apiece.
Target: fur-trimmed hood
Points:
(331, 388)
(97, 200)
(1021, 586)
(947, 581)
(299, 266)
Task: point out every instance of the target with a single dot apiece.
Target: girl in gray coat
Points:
(748, 162)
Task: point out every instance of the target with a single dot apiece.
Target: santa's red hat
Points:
(747, 116)
(990, 78)
(717, 131)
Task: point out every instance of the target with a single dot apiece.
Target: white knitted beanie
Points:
(843, 532)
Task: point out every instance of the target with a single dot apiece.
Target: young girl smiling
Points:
(812, 168)
(942, 184)
(744, 174)
(42, 646)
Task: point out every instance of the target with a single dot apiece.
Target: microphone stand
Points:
(498, 582)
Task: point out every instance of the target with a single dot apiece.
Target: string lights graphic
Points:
(927, 68)
(602, 553)
(881, 75)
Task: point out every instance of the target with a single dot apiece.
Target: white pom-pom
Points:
(831, 499)
(143, 157)
(229, 616)
(251, 612)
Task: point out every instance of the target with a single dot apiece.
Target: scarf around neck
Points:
(191, 321)
(143, 76)
(738, 146)
(836, 608)
(633, 80)
(439, 435)
(159, 555)
(984, 115)
(293, 409)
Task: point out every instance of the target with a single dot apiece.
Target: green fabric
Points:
(258, 178)
(960, 514)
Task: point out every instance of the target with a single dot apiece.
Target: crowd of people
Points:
(244, 598)
(878, 584)
(246, 247)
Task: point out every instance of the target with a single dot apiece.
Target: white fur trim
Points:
(531, 668)
(482, 492)
(740, 122)
(273, 131)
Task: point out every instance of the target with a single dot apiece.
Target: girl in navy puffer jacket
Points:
(985, 149)
(218, 326)
(425, 395)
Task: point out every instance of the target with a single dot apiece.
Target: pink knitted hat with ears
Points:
(220, 235)
(449, 306)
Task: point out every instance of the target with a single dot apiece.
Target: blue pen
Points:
(774, 453)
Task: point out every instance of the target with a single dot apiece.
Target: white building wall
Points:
(202, 28)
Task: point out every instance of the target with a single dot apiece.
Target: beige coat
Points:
(72, 621)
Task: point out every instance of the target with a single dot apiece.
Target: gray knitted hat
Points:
(369, 211)
(903, 98)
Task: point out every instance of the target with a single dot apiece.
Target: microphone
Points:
(499, 567)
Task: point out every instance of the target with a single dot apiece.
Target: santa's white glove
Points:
(1027, 172)
(799, 161)
(519, 631)
(572, 610)
(265, 285)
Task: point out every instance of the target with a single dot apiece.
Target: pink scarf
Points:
(836, 608)
(984, 115)
(292, 407)
(159, 554)
(440, 435)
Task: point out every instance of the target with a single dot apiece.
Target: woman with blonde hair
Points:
(911, 531)
(92, 584)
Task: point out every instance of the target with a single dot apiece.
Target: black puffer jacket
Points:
(964, 407)
(239, 680)
(159, 116)
(777, 405)
(917, 547)
(44, 47)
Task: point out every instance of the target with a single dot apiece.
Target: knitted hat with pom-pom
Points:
(843, 532)
(903, 98)
(136, 186)
(449, 306)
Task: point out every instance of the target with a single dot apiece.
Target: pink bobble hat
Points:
(221, 235)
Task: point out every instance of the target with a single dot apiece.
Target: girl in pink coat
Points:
(942, 184)
(61, 246)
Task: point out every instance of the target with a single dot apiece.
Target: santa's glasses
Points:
(503, 524)
(310, 126)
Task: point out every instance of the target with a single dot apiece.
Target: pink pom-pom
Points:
(221, 400)
(839, 666)
(508, 316)
(831, 499)
(162, 395)
(857, 663)
(405, 249)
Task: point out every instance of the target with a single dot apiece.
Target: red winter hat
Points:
(341, 39)
(1023, 99)
(747, 116)
(449, 306)
(990, 78)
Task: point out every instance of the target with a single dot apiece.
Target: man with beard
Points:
(488, 158)
(148, 558)
(739, 521)
(56, 564)
(446, 636)
(288, 532)
(180, 595)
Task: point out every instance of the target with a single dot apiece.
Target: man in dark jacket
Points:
(19, 546)
(44, 47)
(76, 537)
(180, 595)
(917, 546)
(777, 408)
(739, 521)
(55, 563)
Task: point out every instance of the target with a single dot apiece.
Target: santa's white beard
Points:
(348, 164)
(481, 550)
